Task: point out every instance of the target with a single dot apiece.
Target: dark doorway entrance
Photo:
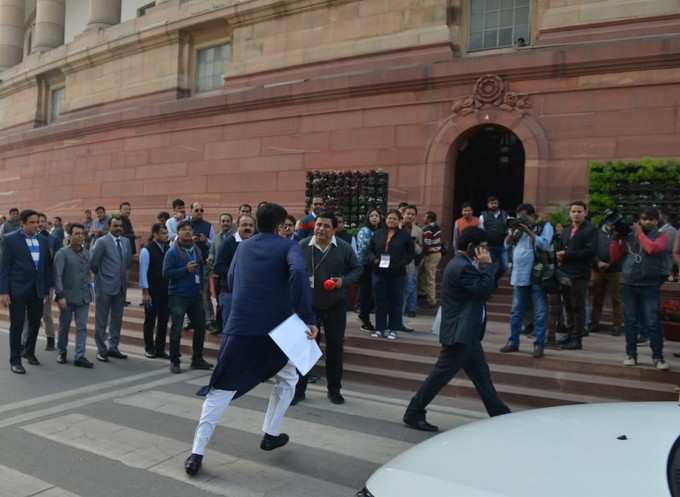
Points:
(489, 161)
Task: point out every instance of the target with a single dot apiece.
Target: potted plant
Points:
(670, 319)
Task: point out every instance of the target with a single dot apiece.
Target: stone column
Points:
(103, 13)
(49, 25)
(11, 32)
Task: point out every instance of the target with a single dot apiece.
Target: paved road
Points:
(124, 429)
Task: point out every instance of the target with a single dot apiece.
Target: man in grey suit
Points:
(469, 280)
(110, 261)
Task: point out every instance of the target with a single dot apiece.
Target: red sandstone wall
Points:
(263, 154)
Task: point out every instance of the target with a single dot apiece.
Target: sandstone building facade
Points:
(228, 101)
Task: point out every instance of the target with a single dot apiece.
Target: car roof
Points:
(598, 450)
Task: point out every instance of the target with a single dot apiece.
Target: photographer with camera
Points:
(606, 273)
(644, 252)
(525, 240)
(575, 260)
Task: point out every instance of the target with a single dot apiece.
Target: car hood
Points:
(598, 450)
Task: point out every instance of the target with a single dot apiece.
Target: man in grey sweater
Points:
(73, 285)
(332, 267)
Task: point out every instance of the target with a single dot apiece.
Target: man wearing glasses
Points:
(306, 228)
(204, 234)
(287, 229)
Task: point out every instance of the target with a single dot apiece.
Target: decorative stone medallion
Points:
(491, 91)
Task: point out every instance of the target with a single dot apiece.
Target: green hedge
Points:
(627, 186)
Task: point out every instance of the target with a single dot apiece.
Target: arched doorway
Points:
(489, 160)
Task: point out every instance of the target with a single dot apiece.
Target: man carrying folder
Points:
(267, 277)
(332, 267)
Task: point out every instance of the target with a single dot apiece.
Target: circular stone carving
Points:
(489, 88)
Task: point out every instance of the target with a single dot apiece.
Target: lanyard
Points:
(388, 239)
(315, 267)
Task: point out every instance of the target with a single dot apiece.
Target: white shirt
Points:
(313, 243)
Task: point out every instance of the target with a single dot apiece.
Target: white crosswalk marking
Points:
(222, 474)
(318, 436)
(16, 484)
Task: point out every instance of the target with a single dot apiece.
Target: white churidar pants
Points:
(217, 401)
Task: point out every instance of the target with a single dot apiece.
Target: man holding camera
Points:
(469, 281)
(575, 259)
(644, 253)
(524, 240)
(606, 274)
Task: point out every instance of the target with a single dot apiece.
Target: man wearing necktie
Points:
(110, 261)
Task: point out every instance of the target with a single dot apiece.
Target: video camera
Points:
(618, 222)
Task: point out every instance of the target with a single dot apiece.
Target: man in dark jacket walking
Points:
(578, 240)
(329, 258)
(469, 281)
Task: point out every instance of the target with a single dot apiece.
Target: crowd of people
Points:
(392, 259)
(554, 270)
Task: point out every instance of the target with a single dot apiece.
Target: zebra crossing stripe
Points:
(374, 449)
(222, 474)
(16, 484)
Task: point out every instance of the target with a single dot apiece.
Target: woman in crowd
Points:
(389, 252)
(364, 237)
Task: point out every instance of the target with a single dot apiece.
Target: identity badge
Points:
(385, 261)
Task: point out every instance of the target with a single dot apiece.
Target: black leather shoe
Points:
(117, 354)
(162, 355)
(150, 355)
(573, 344)
(298, 397)
(406, 329)
(270, 442)
(336, 398)
(564, 341)
(539, 351)
(616, 332)
(102, 356)
(201, 364)
(83, 363)
(61, 358)
(50, 344)
(175, 369)
(192, 465)
(17, 369)
(32, 360)
(509, 347)
(419, 423)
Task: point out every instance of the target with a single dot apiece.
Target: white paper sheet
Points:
(291, 337)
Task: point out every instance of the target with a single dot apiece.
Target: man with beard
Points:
(110, 261)
(268, 281)
(245, 229)
(644, 253)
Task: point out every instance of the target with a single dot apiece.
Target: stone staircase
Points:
(594, 374)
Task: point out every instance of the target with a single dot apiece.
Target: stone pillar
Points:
(103, 13)
(11, 32)
(49, 25)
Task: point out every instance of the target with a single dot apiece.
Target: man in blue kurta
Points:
(269, 282)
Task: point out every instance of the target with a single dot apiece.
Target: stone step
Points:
(519, 376)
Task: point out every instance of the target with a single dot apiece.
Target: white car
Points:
(592, 450)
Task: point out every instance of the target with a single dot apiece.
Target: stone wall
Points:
(563, 13)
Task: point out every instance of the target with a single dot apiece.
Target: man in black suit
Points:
(469, 281)
(25, 282)
(576, 259)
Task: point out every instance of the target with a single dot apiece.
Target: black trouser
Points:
(366, 299)
(156, 315)
(332, 321)
(575, 298)
(193, 308)
(452, 358)
(19, 309)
